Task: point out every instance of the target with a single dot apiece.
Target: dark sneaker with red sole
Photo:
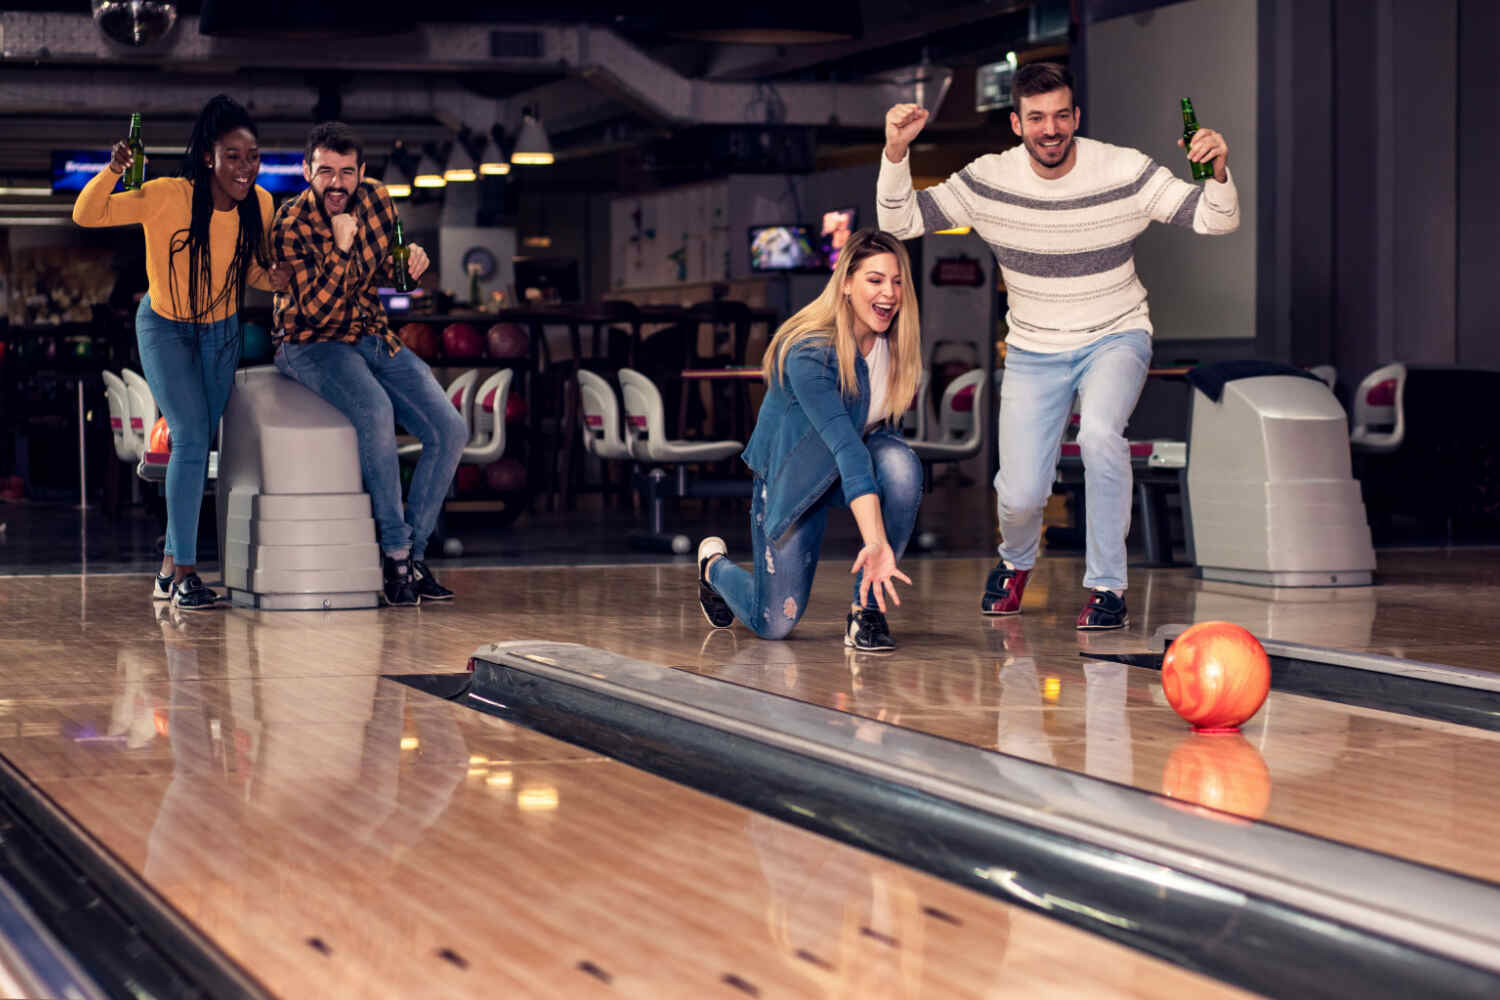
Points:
(1003, 589)
(1105, 610)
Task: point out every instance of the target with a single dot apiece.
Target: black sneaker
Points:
(400, 588)
(715, 608)
(427, 587)
(162, 590)
(1105, 610)
(867, 631)
(191, 594)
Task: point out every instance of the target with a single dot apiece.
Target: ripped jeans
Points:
(772, 597)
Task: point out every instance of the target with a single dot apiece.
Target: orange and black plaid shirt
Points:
(333, 293)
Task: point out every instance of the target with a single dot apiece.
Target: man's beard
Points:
(323, 200)
(1064, 150)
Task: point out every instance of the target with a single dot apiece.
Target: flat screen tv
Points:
(837, 225)
(783, 248)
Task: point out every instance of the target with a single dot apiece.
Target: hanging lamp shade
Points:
(492, 162)
(533, 148)
(396, 184)
(428, 174)
(460, 165)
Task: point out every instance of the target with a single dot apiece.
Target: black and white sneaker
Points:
(427, 587)
(400, 587)
(715, 608)
(162, 589)
(867, 631)
(192, 594)
(1105, 610)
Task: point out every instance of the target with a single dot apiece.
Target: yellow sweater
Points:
(163, 207)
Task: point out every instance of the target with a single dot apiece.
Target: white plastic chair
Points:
(460, 393)
(959, 431)
(1327, 374)
(1379, 410)
(646, 427)
(599, 409)
(118, 398)
(143, 412)
(488, 443)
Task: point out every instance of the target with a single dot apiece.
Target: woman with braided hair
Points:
(205, 243)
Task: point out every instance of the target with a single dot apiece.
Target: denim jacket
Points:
(808, 434)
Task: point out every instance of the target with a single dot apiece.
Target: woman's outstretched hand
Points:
(879, 564)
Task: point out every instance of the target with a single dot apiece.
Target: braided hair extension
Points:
(219, 116)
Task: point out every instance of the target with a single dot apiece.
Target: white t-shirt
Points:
(879, 363)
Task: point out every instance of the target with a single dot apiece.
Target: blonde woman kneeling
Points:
(840, 373)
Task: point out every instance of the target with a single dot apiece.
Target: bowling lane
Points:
(353, 837)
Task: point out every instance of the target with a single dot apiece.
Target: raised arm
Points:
(1214, 208)
(317, 281)
(96, 206)
(898, 209)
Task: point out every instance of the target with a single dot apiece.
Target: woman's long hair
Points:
(829, 319)
(220, 116)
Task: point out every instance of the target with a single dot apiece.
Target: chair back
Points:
(460, 393)
(143, 412)
(914, 420)
(1379, 410)
(488, 445)
(118, 398)
(645, 418)
(958, 416)
(599, 417)
(1327, 374)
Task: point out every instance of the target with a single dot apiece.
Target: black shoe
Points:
(715, 608)
(400, 588)
(162, 590)
(867, 631)
(190, 594)
(1105, 610)
(427, 587)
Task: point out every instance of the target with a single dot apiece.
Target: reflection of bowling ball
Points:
(460, 340)
(161, 436)
(421, 339)
(1222, 771)
(507, 340)
(507, 475)
(515, 408)
(1215, 676)
(258, 348)
(467, 480)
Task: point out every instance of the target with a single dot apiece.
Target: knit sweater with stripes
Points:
(1065, 246)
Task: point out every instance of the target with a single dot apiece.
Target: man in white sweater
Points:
(1061, 213)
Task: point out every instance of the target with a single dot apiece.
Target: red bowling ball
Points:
(467, 480)
(161, 437)
(460, 340)
(421, 339)
(515, 408)
(507, 475)
(507, 340)
(1216, 675)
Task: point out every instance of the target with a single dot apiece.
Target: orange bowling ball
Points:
(1223, 771)
(161, 436)
(1216, 675)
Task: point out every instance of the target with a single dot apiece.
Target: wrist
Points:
(118, 171)
(895, 153)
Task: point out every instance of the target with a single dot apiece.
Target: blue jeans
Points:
(1035, 400)
(375, 391)
(190, 370)
(771, 599)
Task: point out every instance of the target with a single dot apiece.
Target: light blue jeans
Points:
(1035, 400)
(375, 391)
(190, 370)
(771, 597)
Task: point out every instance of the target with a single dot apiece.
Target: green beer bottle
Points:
(136, 172)
(1201, 171)
(400, 259)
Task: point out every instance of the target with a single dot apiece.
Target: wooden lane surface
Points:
(346, 836)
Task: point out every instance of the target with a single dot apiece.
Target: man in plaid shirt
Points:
(332, 336)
